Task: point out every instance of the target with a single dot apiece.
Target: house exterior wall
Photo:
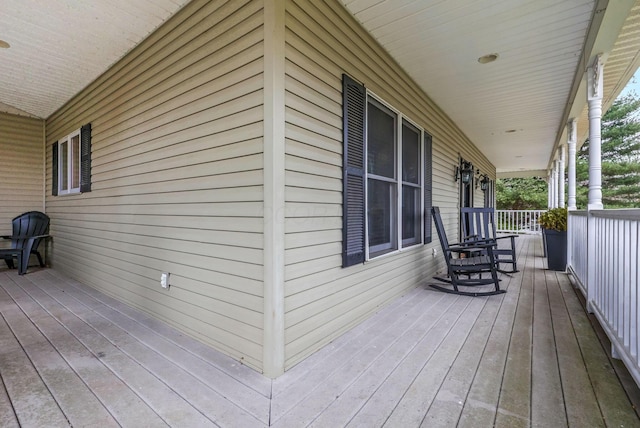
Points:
(322, 299)
(21, 167)
(177, 173)
(191, 175)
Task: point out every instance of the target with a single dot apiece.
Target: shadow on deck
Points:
(530, 357)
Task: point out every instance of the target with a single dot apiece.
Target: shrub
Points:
(554, 219)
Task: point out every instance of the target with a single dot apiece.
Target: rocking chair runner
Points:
(467, 272)
(479, 224)
(28, 230)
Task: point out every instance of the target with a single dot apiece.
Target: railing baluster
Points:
(518, 221)
(613, 286)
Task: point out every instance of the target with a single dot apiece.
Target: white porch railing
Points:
(604, 259)
(518, 221)
(577, 243)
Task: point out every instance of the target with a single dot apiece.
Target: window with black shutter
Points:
(386, 178)
(71, 169)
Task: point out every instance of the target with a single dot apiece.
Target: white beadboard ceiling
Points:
(513, 109)
(57, 47)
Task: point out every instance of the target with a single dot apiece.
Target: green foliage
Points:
(620, 157)
(555, 219)
(521, 194)
(620, 166)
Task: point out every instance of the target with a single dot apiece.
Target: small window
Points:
(69, 164)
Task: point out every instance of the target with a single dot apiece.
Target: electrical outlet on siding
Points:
(164, 279)
(434, 252)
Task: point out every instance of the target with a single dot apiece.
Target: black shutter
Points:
(54, 169)
(428, 183)
(85, 158)
(354, 99)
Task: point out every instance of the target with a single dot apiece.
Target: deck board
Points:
(32, 401)
(514, 403)
(547, 404)
(530, 357)
(580, 400)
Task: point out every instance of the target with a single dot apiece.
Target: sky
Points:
(633, 85)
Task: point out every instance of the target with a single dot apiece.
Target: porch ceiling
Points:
(513, 109)
(59, 47)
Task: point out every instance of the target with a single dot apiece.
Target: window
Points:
(71, 168)
(394, 179)
(69, 164)
(411, 184)
(382, 182)
(386, 178)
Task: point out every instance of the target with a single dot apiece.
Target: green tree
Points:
(620, 157)
(521, 194)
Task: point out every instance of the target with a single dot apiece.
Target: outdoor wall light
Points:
(464, 172)
(484, 183)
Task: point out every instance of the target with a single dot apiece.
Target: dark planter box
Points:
(556, 249)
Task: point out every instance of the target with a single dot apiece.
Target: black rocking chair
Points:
(467, 271)
(28, 230)
(479, 224)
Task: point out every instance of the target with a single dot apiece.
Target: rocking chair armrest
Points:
(24, 236)
(506, 236)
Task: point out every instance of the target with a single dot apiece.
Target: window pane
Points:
(411, 224)
(75, 162)
(64, 165)
(381, 146)
(381, 216)
(410, 154)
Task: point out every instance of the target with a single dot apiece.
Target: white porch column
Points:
(561, 163)
(549, 189)
(594, 98)
(554, 185)
(572, 133)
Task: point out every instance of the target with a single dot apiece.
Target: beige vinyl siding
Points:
(177, 134)
(21, 167)
(322, 299)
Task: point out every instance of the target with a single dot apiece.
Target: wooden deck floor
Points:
(72, 356)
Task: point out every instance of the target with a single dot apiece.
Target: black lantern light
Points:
(464, 172)
(484, 183)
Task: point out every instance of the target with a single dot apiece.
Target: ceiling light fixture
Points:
(485, 59)
(4, 44)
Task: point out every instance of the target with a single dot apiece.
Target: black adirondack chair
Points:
(28, 230)
(479, 224)
(466, 271)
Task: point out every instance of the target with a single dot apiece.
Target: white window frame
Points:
(68, 171)
(397, 217)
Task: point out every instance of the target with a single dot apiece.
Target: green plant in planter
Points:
(554, 219)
